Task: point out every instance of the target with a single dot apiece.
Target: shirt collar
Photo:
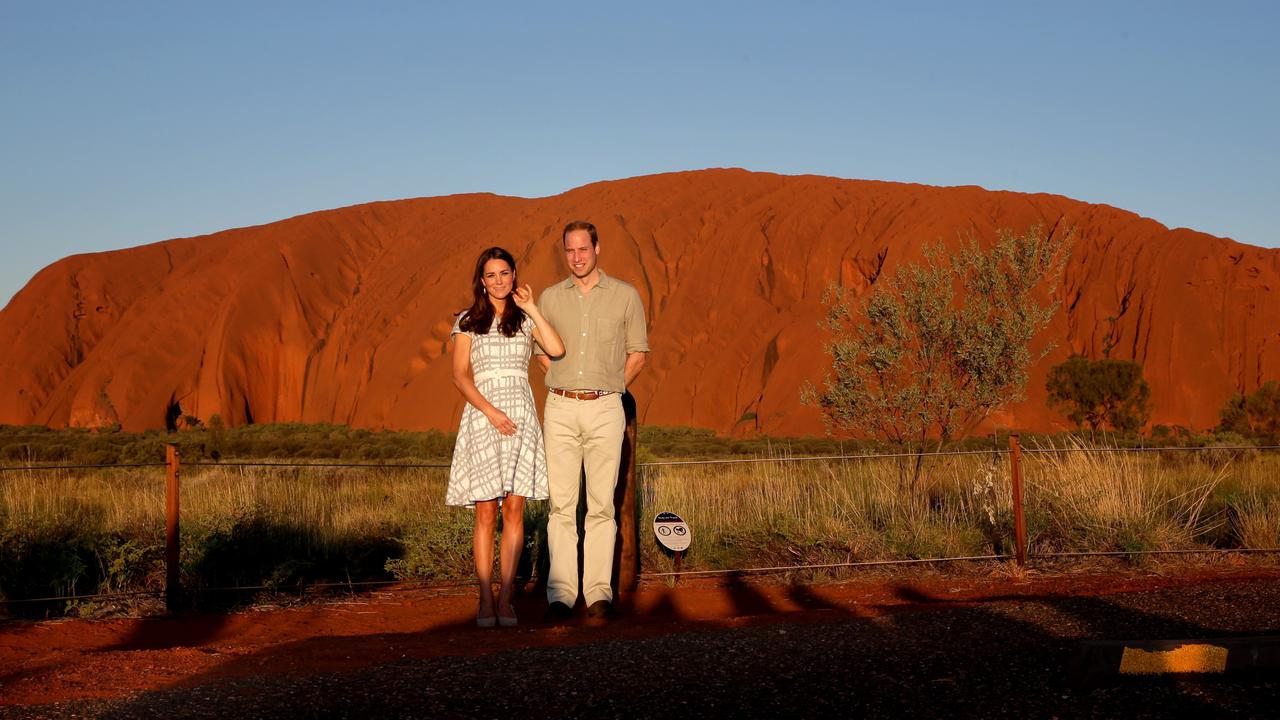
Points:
(605, 282)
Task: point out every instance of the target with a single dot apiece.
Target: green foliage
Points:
(80, 446)
(939, 345)
(435, 550)
(46, 560)
(125, 562)
(1256, 415)
(1100, 392)
(657, 443)
(257, 546)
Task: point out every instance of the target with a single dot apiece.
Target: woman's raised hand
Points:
(501, 422)
(523, 297)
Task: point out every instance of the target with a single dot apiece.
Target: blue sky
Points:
(125, 123)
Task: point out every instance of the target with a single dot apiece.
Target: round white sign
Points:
(672, 532)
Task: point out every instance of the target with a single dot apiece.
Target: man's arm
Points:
(544, 362)
(637, 338)
(635, 363)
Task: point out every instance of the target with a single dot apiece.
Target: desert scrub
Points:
(780, 512)
(1255, 520)
(1088, 499)
(80, 532)
(438, 546)
(435, 548)
(212, 441)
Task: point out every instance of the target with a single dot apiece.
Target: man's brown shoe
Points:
(600, 610)
(558, 612)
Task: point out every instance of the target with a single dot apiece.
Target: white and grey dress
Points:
(487, 464)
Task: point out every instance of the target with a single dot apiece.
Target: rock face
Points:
(343, 316)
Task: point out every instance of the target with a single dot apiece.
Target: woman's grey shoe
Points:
(508, 620)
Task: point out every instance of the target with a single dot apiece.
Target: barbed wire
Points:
(825, 566)
(15, 468)
(397, 585)
(1205, 448)
(253, 463)
(668, 463)
(302, 587)
(811, 458)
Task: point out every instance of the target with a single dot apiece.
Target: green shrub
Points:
(436, 550)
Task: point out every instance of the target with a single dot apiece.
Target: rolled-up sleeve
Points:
(637, 332)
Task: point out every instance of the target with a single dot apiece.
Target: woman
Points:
(498, 459)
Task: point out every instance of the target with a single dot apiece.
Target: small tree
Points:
(217, 436)
(939, 345)
(1256, 415)
(1100, 392)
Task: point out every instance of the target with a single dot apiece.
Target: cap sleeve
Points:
(457, 327)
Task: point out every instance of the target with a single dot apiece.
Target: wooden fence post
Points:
(627, 546)
(172, 547)
(1019, 518)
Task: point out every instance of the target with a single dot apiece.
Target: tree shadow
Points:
(922, 655)
(1058, 637)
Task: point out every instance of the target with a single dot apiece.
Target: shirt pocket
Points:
(609, 337)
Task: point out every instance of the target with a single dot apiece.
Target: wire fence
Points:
(1023, 553)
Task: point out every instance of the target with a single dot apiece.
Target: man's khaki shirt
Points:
(599, 330)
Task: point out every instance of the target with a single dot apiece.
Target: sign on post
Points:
(672, 532)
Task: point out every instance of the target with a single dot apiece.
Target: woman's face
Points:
(498, 278)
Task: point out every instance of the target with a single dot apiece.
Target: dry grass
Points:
(782, 512)
(1081, 500)
(75, 532)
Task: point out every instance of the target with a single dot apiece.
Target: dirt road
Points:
(924, 646)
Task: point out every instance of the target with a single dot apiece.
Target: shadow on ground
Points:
(754, 650)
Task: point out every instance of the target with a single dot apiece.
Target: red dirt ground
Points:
(53, 661)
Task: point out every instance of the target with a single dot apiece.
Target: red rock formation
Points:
(343, 315)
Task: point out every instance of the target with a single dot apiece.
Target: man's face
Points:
(579, 253)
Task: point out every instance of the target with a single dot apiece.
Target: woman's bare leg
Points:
(482, 549)
(509, 553)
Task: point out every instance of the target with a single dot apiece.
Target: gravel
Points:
(1004, 658)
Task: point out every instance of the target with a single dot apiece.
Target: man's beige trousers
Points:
(582, 433)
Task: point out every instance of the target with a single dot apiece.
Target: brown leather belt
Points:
(578, 395)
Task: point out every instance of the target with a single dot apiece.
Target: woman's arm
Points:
(463, 380)
(546, 336)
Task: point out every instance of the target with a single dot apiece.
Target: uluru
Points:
(342, 316)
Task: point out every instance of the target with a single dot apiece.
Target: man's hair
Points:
(581, 225)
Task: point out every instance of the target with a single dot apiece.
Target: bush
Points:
(1255, 416)
(1100, 393)
(436, 550)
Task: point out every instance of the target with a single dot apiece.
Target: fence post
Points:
(172, 548)
(1019, 518)
(627, 545)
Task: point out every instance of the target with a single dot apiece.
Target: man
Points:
(602, 322)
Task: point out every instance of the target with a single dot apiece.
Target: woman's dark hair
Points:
(479, 317)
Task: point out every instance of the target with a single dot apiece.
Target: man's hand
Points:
(635, 363)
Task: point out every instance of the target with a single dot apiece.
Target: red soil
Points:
(342, 316)
(45, 662)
